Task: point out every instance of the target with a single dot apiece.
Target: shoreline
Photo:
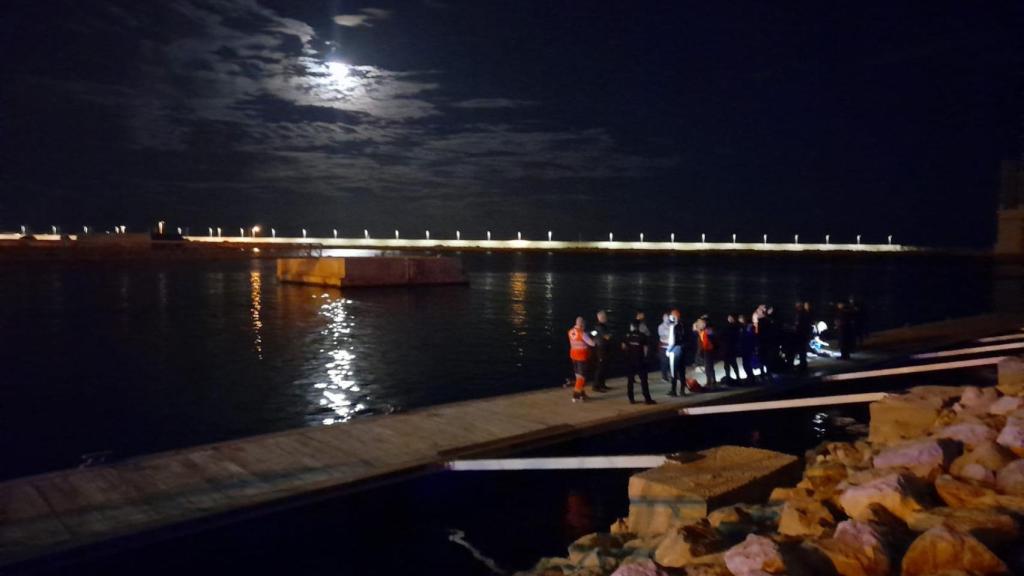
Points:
(937, 484)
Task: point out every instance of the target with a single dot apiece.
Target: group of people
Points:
(760, 342)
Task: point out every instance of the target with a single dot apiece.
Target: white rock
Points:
(1010, 480)
(925, 458)
(856, 549)
(976, 399)
(1005, 405)
(643, 567)
(755, 556)
(970, 434)
(1012, 435)
(981, 463)
(898, 493)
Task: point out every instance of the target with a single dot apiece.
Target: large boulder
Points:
(641, 567)
(851, 455)
(597, 562)
(856, 549)
(909, 415)
(711, 565)
(823, 478)
(962, 494)
(678, 492)
(899, 493)
(942, 549)
(604, 544)
(805, 517)
(621, 528)
(1010, 479)
(970, 433)
(924, 458)
(976, 400)
(1012, 435)
(981, 463)
(1006, 405)
(755, 556)
(781, 494)
(1011, 376)
(991, 526)
(685, 543)
(742, 519)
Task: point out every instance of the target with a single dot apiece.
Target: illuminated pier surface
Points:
(554, 245)
(67, 510)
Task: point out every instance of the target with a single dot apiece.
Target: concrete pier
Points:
(554, 245)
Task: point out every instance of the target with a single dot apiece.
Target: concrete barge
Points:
(371, 271)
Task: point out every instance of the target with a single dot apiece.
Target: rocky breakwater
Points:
(937, 487)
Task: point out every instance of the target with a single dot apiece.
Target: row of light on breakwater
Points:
(253, 231)
(519, 235)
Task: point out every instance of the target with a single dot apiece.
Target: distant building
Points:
(1010, 226)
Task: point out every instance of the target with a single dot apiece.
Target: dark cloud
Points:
(493, 103)
(366, 17)
(246, 98)
(252, 109)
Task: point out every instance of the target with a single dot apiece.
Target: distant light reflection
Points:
(255, 308)
(517, 288)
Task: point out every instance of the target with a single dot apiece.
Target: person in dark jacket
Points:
(728, 338)
(602, 351)
(858, 315)
(845, 329)
(804, 333)
(768, 343)
(636, 347)
(747, 342)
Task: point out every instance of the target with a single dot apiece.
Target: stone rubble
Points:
(937, 487)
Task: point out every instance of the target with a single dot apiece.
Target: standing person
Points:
(580, 344)
(664, 333)
(804, 333)
(792, 339)
(676, 348)
(760, 344)
(602, 347)
(729, 340)
(641, 323)
(858, 318)
(747, 347)
(636, 347)
(705, 350)
(768, 343)
(845, 329)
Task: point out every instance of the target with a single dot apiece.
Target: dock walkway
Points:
(60, 510)
(67, 510)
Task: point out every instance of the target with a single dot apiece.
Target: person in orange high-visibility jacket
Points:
(580, 344)
(706, 350)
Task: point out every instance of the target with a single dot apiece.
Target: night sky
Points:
(581, 117)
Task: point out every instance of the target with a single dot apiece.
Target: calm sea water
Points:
(134, 357)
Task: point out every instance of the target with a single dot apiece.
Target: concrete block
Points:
(675, 492)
